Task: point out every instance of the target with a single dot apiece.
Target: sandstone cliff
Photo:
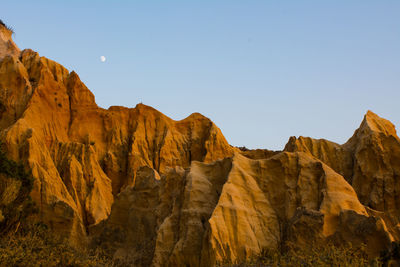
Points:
(159, 192)
(235, 208)
(369, 161)
(7, 45)
(82, 155)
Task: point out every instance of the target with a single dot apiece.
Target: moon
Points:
(102, 58)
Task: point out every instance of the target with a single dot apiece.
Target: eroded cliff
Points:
(159, 192)
(82, 155)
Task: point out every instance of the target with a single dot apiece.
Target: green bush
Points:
(15, 213)
(15, 170)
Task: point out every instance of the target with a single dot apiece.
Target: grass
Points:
(37, 246)
(327, 255)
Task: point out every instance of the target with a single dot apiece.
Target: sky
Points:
(261, 70)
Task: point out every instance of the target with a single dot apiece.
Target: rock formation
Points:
(369, 161)
(7, 45)
(82, 155)
(159, 192)
(233, 209)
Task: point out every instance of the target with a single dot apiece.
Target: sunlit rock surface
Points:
(161, 192)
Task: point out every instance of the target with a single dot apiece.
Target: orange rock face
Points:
(160, 192)
(235, 208)
(82, 155)
(369, 161)
(7, 45)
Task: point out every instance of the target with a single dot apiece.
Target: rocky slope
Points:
(159, 192)
(235, 208)
(369, 161)
(82, 155)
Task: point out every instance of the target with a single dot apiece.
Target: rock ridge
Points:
(160, 192)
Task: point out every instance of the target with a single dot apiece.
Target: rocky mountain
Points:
(160, 192)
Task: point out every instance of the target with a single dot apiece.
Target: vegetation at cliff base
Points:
(24, 242)
(37, 246)
(344, 255)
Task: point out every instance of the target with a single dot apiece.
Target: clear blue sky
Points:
(261, 70)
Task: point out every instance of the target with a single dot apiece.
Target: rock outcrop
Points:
(159, 192)
(236, 208)
(7, 45)
(258, 153)
(369, 161)
(80, 154)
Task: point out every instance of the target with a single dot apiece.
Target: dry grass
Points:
(25, 244)
(328, 255)
(38, 247)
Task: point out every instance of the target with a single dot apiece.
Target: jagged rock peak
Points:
(7, 45)
(374, 123)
